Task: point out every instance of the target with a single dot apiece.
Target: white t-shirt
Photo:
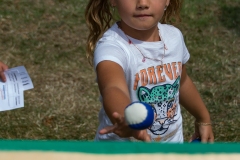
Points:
(148, 81)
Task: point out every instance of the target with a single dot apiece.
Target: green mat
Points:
(118, 147)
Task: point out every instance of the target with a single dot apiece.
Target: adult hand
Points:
(3, 67)
(123, 130)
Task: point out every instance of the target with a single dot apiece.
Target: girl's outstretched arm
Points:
(114, 90)
(3, 67)
(191, 100)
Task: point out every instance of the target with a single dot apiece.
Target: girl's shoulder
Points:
(112, 37)
(170, 32)
(169, 28)
(112, 33)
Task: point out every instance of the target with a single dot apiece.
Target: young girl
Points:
(3, 67)
(140, 59)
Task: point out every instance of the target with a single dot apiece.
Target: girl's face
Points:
(140, 14)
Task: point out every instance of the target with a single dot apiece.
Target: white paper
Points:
(12, 91)
(24, 76)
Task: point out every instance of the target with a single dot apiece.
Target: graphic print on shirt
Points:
(164, 99)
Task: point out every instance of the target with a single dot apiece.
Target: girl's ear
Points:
(167, 2)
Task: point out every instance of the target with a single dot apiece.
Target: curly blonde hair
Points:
(99, 17)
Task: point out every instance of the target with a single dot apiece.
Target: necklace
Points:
(145, 57)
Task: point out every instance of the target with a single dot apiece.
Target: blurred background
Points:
(48, 38)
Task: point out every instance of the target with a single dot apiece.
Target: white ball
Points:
(139, 115)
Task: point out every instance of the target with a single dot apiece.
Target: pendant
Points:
(161, 64)
(165, 47)
(144, 59)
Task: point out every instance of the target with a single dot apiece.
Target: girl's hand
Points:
(3, 67)
(204, 132)
(123, 130)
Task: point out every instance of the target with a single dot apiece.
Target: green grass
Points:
(48, 38)
(211, 30)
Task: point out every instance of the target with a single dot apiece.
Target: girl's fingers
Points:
(211, 139)
(207, 139)
(108, 129)
(194, 136)
(2, 76)
(204, 139)
(3, 67)
(118, 118)
(147, 138)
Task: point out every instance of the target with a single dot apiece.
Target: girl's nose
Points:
(143, 4)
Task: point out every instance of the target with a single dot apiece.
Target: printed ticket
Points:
(12, 91)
